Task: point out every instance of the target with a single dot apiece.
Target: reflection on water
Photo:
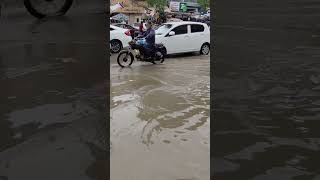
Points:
(162, 113)
(48, 114)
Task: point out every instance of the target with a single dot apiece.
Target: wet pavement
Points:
(53, 76)
(160, 126)
(266, 90)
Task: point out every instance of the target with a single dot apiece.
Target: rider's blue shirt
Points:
(150, 37)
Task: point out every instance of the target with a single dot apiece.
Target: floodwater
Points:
(52, 104)
(266, 91)
(160, 126)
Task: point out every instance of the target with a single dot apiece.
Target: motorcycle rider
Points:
(150, 37)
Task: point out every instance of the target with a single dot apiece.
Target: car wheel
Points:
(205, 49)
(115, 46)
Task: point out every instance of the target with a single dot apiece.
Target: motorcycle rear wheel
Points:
(39, 8)
(125, 59)
(159, 58)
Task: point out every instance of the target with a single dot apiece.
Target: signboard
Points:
(183, 7)
(174, 6)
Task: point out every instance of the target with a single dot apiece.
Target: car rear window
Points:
(196, 28)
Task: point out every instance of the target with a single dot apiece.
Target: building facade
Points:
(134, 9)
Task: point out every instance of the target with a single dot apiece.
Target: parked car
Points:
(174, 20)
(119, 38)
(133, 31)
(183, 37)
(114, 21)
(125, 26)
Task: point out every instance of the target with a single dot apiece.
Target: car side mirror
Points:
(172, 33)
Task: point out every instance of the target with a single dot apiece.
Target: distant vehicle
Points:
(112, 21)
(183, 37)
(174, 20)
(119, 38)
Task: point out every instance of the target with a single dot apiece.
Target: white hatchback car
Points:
(183, 37)
(119, 38)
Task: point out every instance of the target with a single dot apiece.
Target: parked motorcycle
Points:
(127, 56)
(46, 8)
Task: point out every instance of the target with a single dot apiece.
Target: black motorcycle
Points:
(135, 51)
(46, 8)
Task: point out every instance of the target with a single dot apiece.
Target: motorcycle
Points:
(127, 56)
(46, 8)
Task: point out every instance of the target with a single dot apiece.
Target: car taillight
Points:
(128, 33)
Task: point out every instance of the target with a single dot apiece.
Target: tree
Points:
(158, 4)
(204, 3)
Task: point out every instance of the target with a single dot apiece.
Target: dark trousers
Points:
(144, 50)
(148, 50)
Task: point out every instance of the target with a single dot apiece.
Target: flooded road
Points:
(266, 98)
(52, 104)
(160, 126)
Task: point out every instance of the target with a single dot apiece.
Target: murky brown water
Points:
(160, 120)
(52, 97)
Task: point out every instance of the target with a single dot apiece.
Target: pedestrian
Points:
(132, 31)
(141, 27)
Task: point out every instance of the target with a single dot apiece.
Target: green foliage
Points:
(204, 3)
(158, 4)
